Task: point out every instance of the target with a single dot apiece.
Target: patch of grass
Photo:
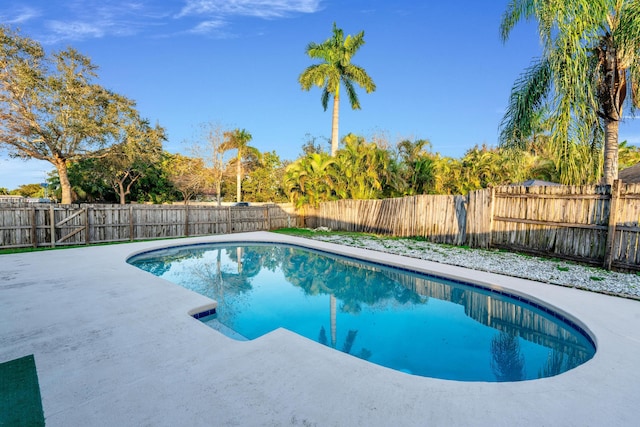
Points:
(49, 248)
(596, 278)
(519, 254)
(561, 268)
(306, 232)
(302, 232)
(416, 238)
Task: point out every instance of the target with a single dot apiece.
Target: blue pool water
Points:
(410, 322)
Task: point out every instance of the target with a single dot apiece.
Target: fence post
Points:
(267, 218)
(186, 220)
(613, 219)
(492, 204)
(52, 226)
(131, 229)
(86, 225)
(34, 228)
(229, 229)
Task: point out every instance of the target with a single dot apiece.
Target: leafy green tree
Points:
(29, 190)
(155, 185)
(50, 107)
(629, 155)
(264, 183)
(239, 139)
(417, 167)
(336, 69)
(88, 183)
(361, 169)
(308, 180)
(586, 76)
(4, 191)
(127, 161)
(483, 167)
(112, 177)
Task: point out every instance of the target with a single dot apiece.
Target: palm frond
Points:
(358, 75)
(527, 97)
(351, 93)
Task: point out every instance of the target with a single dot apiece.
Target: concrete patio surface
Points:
(115, 346)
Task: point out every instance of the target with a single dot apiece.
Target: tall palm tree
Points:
(588, 73)
(239, 139)
(336, 68)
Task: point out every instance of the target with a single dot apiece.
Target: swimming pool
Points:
(415, 323)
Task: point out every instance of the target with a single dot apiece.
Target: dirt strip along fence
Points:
(598, 225)
(59, 225)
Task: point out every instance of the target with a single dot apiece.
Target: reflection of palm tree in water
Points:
(507, 362)
(351, 334)
(239, 256)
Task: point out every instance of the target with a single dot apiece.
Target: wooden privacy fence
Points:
(441, 218)
(59, 225)
(593, 224)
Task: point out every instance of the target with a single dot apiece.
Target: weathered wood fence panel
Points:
(566, 221)
(442, 218)
(59, 225)
(625, 235)
(591, 224)
(594, 224)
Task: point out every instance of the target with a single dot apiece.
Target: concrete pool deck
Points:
(115, 345)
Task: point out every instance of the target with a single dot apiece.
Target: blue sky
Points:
(441, 70)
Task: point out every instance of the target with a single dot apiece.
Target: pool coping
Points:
(115, 345)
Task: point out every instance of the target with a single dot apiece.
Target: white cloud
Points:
(209, 27)
(75, 30)
(19, 15)
(85, 19)
(75, 20)
(257, 8)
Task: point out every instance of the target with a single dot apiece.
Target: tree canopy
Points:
(51, 108)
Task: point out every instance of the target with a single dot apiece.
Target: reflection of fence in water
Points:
(497, 313)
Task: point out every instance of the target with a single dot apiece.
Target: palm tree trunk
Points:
(610, 172)
(334, 124)
(239, 177)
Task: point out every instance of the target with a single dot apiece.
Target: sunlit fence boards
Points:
(441, 218)
(592, 224)
(61, 225)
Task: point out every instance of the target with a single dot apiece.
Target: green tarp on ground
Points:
(20, 402)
